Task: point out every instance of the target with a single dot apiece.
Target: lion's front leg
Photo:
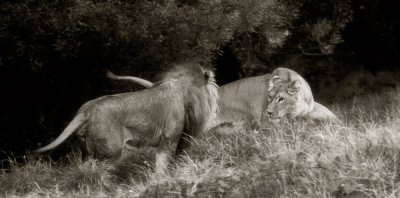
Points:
(163, 159)
(165, 153)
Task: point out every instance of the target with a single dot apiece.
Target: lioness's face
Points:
(283, 101)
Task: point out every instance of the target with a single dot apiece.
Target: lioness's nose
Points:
(269, 113)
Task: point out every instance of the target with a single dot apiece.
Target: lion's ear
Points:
(295, 87)
(207, 75)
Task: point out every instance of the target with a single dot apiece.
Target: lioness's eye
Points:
(269, 97)
(281, 99)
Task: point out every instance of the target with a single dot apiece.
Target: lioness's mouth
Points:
(271, 117)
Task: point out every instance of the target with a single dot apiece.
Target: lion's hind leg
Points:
(144, 155)
(103, 141)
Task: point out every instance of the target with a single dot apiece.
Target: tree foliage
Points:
(151, 33)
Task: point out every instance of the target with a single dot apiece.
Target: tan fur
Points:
(243, 100)
(148, 122)
(247, 99)
(140, 81)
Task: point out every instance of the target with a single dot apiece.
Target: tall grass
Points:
(358, 157)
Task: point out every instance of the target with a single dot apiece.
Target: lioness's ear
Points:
(295, 87)
(282, 72)
(272, 82)
(278, 71)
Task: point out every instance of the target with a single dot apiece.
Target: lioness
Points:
(289, 95)
(149, 122)
(269, 97)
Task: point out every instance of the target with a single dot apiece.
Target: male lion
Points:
(256, 99)
(149, 122)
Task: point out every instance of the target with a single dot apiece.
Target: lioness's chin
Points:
(274, 120)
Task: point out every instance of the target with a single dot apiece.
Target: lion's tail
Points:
(71, 128)
(140, 81)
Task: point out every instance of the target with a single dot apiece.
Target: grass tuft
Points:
(36, 175)
(93, 174)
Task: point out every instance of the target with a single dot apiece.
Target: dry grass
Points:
(356, 158)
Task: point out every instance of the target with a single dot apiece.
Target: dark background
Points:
(54, 54)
